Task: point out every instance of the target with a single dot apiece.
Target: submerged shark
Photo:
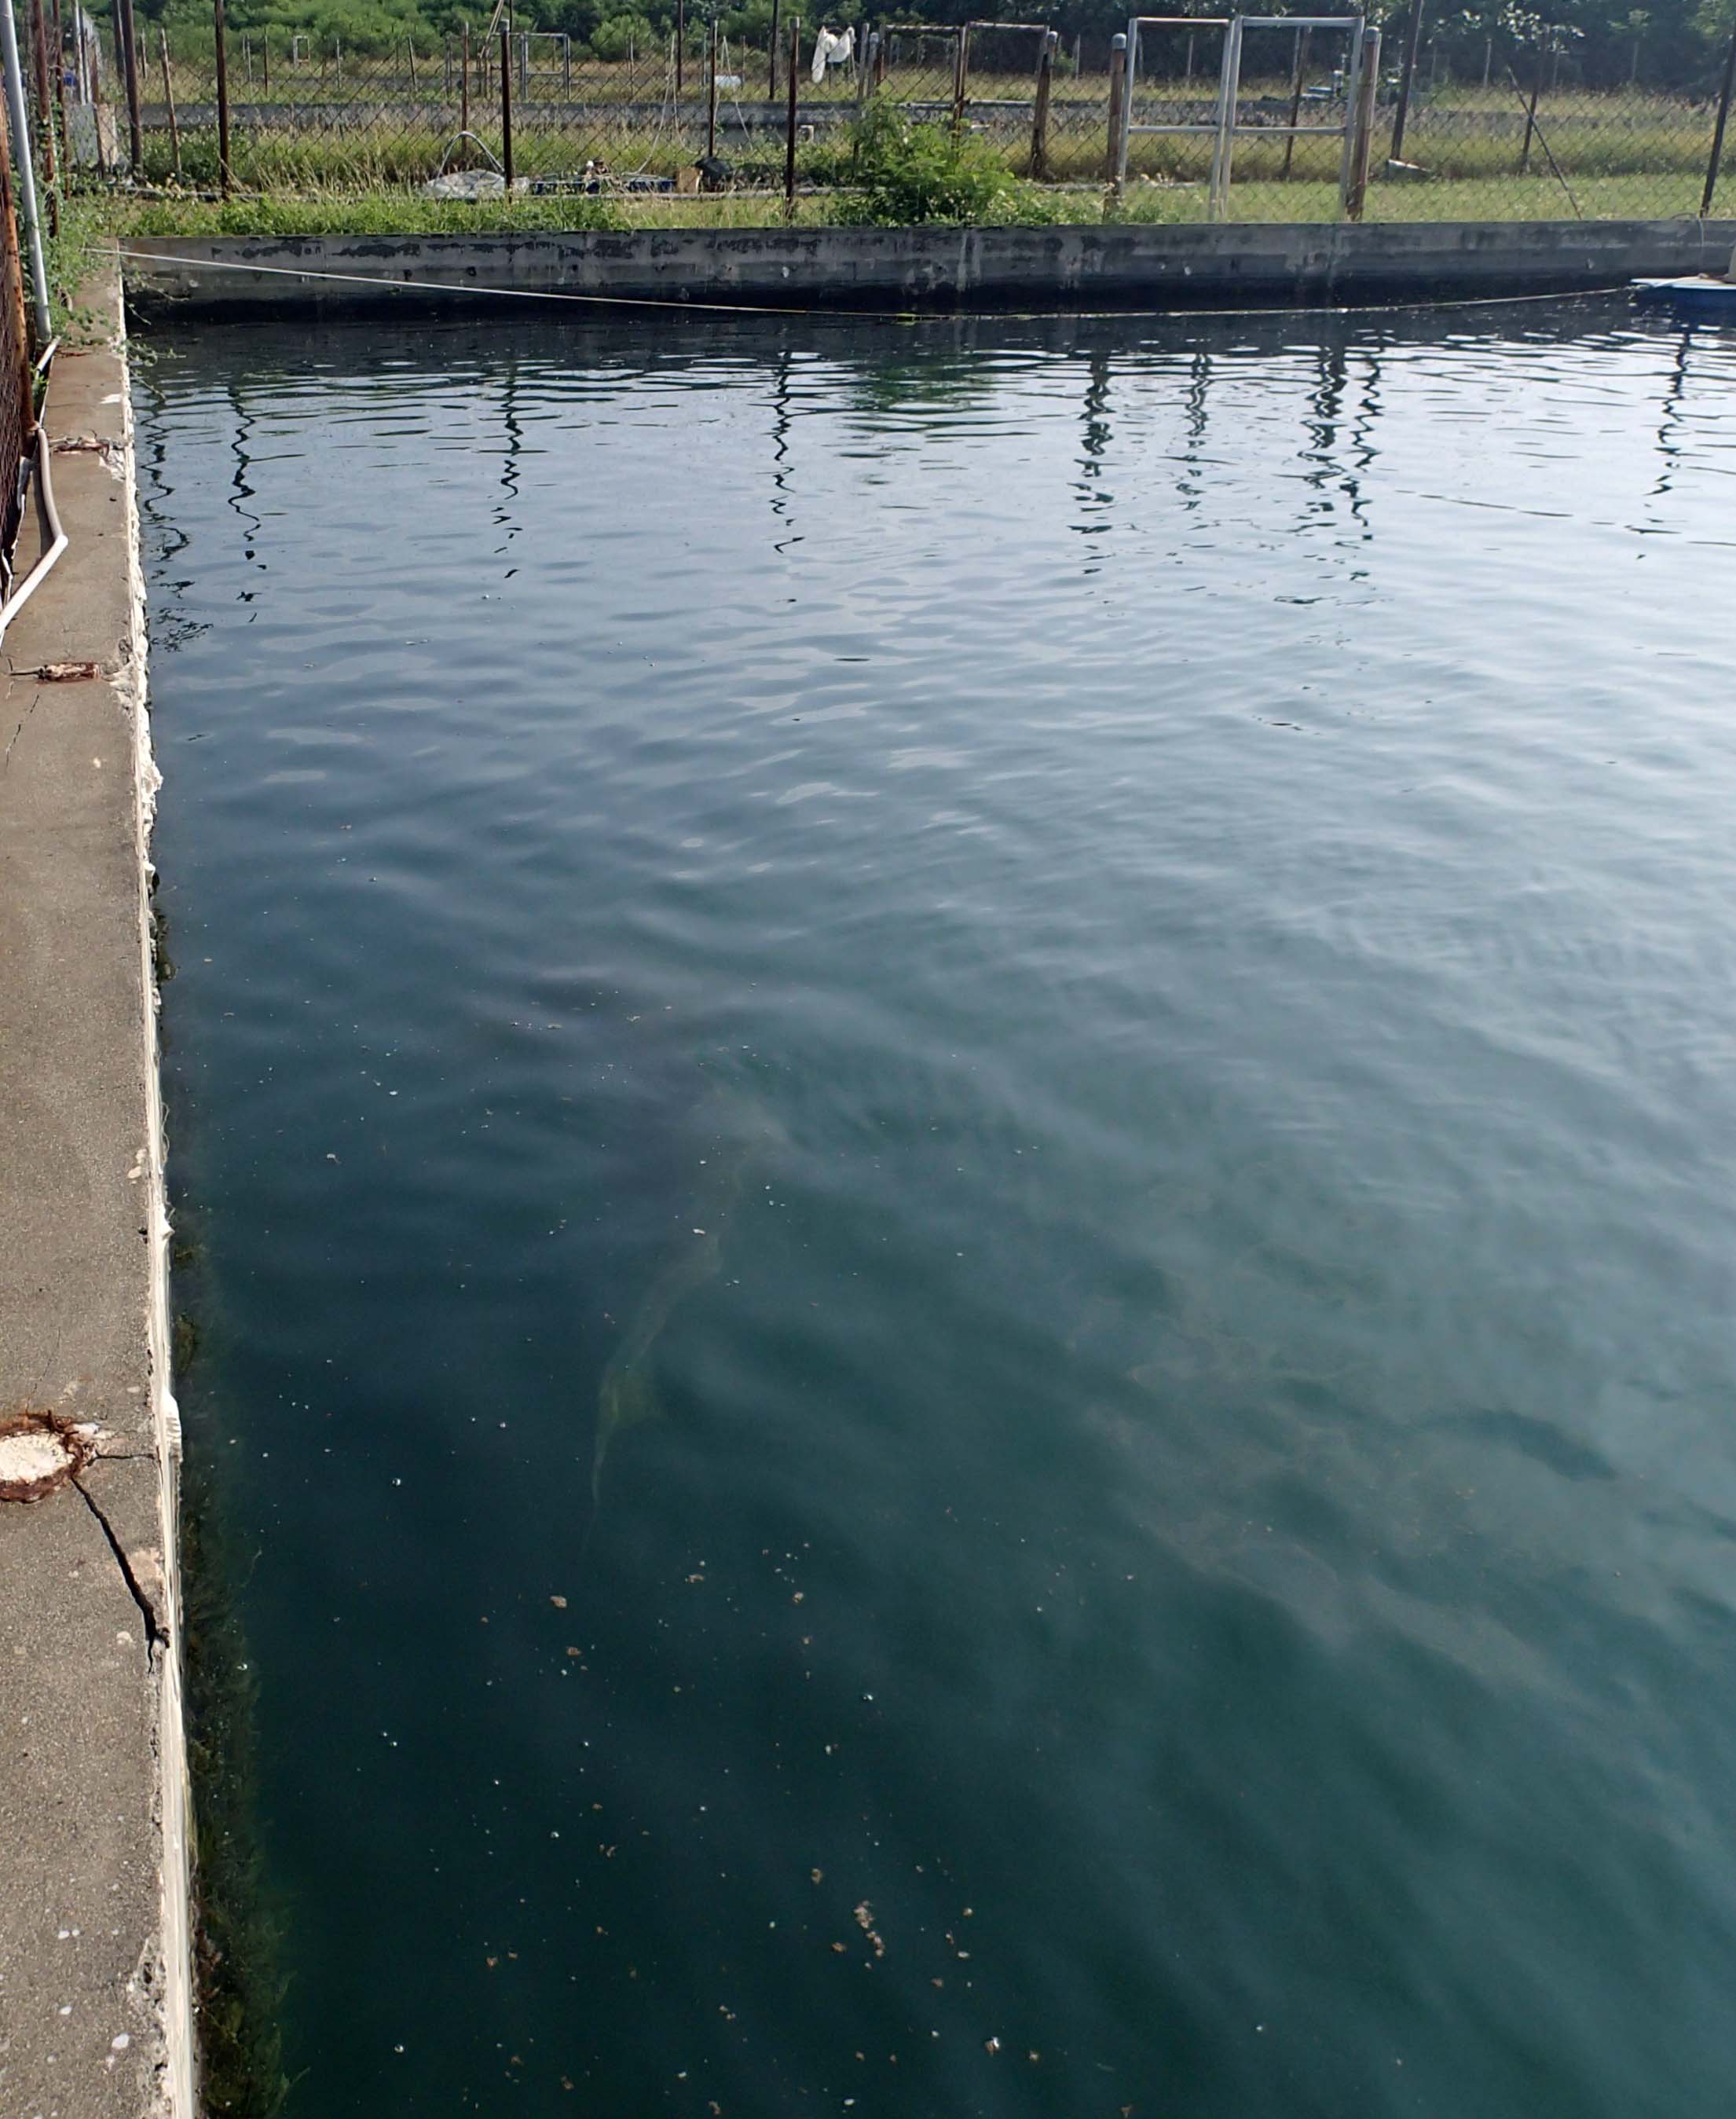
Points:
(738, 1133)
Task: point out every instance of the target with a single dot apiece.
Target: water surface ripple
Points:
(1060, 1004)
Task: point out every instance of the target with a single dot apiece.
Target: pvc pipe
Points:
(19, 119)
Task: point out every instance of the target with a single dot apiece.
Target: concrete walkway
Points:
(95, 2014)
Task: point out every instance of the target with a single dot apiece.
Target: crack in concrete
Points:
(6, 761)
(147, 1612)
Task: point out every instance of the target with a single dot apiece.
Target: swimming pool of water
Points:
(958, 1110)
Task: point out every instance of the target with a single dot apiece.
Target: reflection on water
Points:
(1097, 958)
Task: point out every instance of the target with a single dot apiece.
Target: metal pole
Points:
(711, 90)
(1367, 81)
(1040, 113)
(771, 56)
(1724, 113)
(1531, 115)
(1353, 92)
(506, 106)
(14, 281)
(264, 57)
(168, 97)
(1223, 144)
(1301, 53)
(135, 128)
(681, 38)
(463, 81)
(20, 124)
(1115, 155)
(1413, 37)
(960, 76)
(789, 123)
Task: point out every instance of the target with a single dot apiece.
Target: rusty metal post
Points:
(1040, 113)
(790, 121)
(168, 97)
(1118, 92)
(128, 40)
(1296, 74)
(1413, 38)
(1531, 114)
(1723, 118)
(506, 106)
(223, 99)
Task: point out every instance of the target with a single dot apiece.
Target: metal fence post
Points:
(789, 123)
(60, 105)
(1114, 153)
(130, 66)
(506, 106)
(1368, 82)
(711, 89)
(1040, 111)
(961, 79)
(223, 98)
(1723, 118)
(771, 57)
(1531, 114)
(169, 97)
(464, 80)
(1413, 37)
(681, 38)
(1223, 142)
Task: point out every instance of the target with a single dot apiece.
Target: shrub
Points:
(905, 172)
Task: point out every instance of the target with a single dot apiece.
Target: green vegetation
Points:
(905, 172)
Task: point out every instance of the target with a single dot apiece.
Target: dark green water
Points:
(1080, 985)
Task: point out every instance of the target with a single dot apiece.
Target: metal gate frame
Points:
(1224, 127)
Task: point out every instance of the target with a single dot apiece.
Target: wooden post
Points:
(223, 98)
(961, 79)
(506, 106)
(168, 97)
(1412, 38)
(1368, 82)
(1530, 116)
(772, 55)
(790, 121)
(1040, 114)
(44, 108)
(1117, 91)
(1724, 113)
(711, 90)
(130, 66)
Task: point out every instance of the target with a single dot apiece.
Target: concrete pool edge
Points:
(943, 270)
(94, 1950)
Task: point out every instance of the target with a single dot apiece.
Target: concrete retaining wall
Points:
(933, 269)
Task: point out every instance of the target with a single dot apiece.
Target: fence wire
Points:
(1466, 125)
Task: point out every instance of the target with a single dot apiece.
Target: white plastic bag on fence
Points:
(832, 51)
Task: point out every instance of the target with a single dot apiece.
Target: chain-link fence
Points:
(1180, 118)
